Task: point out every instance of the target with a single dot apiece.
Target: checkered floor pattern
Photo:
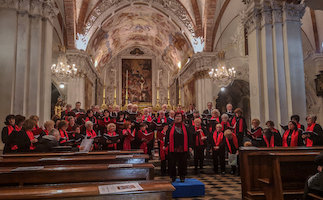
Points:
(217, 187)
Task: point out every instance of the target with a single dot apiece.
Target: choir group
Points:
(179, 134)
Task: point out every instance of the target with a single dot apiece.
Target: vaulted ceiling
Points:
(174, 29)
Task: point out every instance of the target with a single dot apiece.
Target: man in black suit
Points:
(208, 111)
(315, 183)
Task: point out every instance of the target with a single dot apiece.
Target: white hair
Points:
(225, 116)
(88, 123)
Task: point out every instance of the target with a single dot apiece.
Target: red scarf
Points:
(106, 119)
(31, 137)
(294, 140)
(90, 134)
(127, 140)
(148, 118)
(46, 131)
(162, 152)
(171, 139)
(217, 138)
(238, 129)
(235, 142)
(198, 138)
(17, 128)
(234, 121)
(299, 125)
(111, 145)
(227, 124)
(309, 142)
(143, 145)
(10, 129)
(159, 120)
(88, 119)
(63, 135)
(272, 140)
(257, 132)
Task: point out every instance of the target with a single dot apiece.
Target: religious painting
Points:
(189, 94)
(138, 74)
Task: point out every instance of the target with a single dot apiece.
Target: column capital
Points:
(293, 12)
(277, 12)
(41, 8)
(266, 13)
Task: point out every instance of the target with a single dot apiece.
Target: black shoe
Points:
(223, 173)
(173, 179)
(182, 178)
(232, 172)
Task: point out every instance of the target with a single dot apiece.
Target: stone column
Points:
(276, 71)
(279, 63)
(252, 24)
(25, 58)
(294, 64)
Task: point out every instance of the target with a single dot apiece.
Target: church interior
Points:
(161, 99)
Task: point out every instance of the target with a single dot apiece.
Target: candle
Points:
(105, 74)
(127, 79)
(168, 79)
(115, 78)
(158, 78)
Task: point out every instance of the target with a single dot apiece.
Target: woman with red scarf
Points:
(178, 143)
(110, 140)
(225, 122)
(128, 135)
(218, 149)
(256, 131)
(145, 138)
(161, 136)
(62, 127)
(8, 129)
(89, 132)
(198, 143)
(48, 125)
(214, 120)
(240, 126)
(292, 136)
(314, 139)
(24, 140)
(268, 139)
(231, 142)
(37, 130)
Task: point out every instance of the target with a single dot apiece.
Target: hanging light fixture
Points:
(62, 69)
(222, 73)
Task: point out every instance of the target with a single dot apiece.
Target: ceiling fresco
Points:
(139, 26)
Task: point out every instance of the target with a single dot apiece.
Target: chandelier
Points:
(222, 73)
(62, 69)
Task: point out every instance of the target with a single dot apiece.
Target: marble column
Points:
(25, 58)
(279, 63)
(276, 71)
(294, 64)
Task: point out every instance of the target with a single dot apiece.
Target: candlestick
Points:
(126, 103)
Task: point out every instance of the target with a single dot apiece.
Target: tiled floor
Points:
(217, 187)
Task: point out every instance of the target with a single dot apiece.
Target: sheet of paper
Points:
(114, 151)
(21, 169)
(118, 188)
(124, 156)
(86, 145)
(119, 165)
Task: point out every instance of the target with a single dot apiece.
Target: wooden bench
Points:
(70, 160)
(256, 169)
(289, 172)
(92, 153)
(51, 174)
(89, 191)
(315, 197)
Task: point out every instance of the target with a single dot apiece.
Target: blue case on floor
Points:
(190, 188)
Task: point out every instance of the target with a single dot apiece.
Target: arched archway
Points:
(238, 94)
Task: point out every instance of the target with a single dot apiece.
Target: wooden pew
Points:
(70, 160)
(51, 174)
(89, 191)
(256, 165)
(288, 174)
(315, 197)
(92, 153)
